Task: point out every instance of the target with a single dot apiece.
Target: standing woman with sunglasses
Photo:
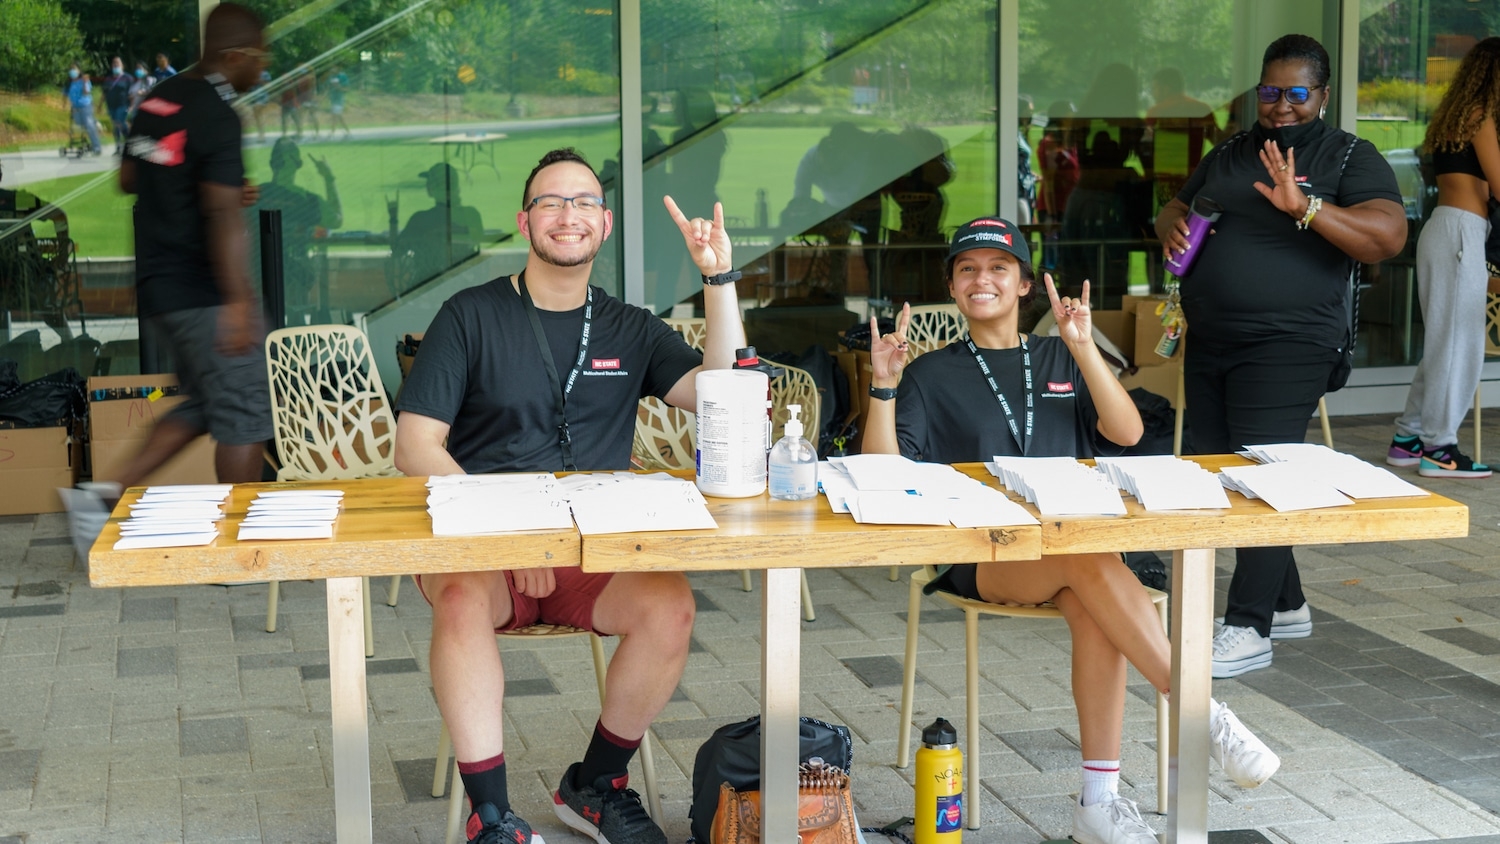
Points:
(1265, 302)
(1451, 274)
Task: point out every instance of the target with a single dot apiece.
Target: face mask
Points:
(140, 74)
(73, 73)
(117, 70)
(1288, 137)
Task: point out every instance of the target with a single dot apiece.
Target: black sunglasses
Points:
(1296, 95)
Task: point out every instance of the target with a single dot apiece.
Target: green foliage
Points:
(1400, 97)
(37, 42)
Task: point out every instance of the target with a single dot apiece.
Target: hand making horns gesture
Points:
(707, 240)
(888, 352)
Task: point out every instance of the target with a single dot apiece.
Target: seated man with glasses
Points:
(541, 372)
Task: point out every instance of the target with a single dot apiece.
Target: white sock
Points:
(1100, 780)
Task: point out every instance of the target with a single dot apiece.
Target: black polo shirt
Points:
(1258, 277)
(480, 370)
(947, 413)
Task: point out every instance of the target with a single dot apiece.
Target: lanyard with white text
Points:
(560, 390)
(1010, 418)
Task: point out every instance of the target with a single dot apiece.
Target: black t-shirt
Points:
(480, 371)
(947, 413)
(1259, 278)
(185, 133)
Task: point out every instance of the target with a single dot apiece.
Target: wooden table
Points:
(777, 536)
(384, 529)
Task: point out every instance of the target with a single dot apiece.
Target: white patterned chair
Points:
(332, 420)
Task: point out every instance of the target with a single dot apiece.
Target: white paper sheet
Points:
(1285, 486)
(633, 503)
(176, 540)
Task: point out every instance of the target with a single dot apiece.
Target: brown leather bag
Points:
(825, 811)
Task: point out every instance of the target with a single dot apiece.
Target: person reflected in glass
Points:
(164, 69)
(79, 91)
(1111, 201)
(140, 83)
(439, 237)
(338, 89)
(116, 87)
(259, 100)
(1266, 302)
(1452, 279)
(972, 400)
(306, 88)
(305, 218)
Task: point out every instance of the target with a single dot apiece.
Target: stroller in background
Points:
(78, 142)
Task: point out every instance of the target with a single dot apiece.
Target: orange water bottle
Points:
(940, 786)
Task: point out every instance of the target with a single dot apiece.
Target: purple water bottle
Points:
(1201, 217)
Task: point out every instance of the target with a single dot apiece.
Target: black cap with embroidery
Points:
(989, 233)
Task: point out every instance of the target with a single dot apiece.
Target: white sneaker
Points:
(1116, 820)
(1292, 624)
(1245, 758)
(1239, 649)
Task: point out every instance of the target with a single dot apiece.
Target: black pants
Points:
(1250, 395)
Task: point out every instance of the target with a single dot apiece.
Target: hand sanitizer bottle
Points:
(794, 462)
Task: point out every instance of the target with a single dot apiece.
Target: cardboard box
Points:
(1161, 379)
(34, 462)
(1118, 326)
(119, 427)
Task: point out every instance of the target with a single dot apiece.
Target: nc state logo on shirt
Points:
(168, 152)
(606, 363)
(159, 106)
(1058, 390)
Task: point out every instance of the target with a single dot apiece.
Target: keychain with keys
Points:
(1173, 322)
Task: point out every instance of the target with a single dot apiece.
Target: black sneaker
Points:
(486, 826)
(608, 812)
(1448, 462)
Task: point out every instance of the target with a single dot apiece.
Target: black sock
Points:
(484, 782)
(607, 754)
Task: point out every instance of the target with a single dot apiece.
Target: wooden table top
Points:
(760, 532)
(384, 529)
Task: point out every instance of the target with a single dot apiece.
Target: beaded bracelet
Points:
(1314, 204)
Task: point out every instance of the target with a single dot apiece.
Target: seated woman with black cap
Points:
(1000, 392)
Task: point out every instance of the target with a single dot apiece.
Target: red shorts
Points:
(571, 603)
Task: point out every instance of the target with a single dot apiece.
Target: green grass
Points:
(370, 173)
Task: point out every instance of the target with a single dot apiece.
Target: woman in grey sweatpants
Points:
(1451, 273)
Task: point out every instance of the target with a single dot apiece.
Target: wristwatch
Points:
(723, 278)
(883, 393)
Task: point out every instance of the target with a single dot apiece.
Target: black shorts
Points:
(229, 397)
(960, 579)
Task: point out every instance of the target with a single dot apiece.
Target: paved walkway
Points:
(168, 714)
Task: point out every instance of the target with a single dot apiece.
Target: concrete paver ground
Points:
(168, 714)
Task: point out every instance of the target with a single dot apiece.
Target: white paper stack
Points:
(1164, 482)
(292, 514)
(893, 490)
(1059, 486)
(1344, 472)
(631, 503)
(1284, 486)
(174, 517)
(478, 505)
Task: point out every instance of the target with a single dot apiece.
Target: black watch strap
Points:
(723, 278)
(883, 393)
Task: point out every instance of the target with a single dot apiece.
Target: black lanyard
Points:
(1023, 442)
(560, 390)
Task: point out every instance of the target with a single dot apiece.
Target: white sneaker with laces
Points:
(1115, 820)
(1292, 624)
(1238, 650)
(1245, 758)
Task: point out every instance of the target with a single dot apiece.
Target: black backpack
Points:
(732, 755)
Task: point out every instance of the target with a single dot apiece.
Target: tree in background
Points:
(37, 41)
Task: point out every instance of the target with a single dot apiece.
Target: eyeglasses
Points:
(583, 203)
(1296, 95)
